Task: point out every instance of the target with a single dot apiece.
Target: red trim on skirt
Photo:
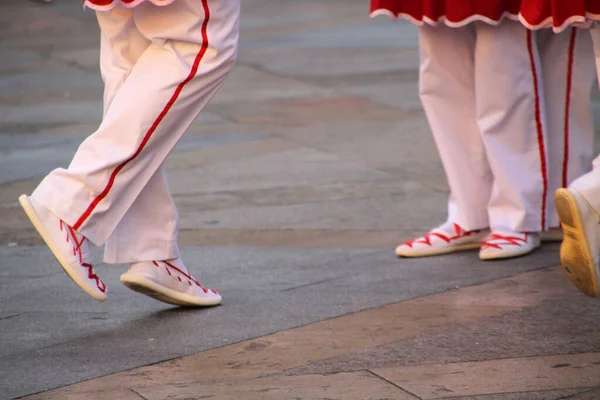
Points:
(534, 14)
(102, 5)
(559, 14)
(451, 12)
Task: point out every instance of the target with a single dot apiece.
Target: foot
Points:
(69, 247)
(552, 235)
(447, 238)
(508, 244)
(579, 249)
(169, 282)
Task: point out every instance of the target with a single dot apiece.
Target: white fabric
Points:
(589, 184)
(155, 87)
(446, 79)
(121, 45)
(489, 144)
(554, 51)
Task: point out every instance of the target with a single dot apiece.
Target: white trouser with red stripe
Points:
(568, 76)
(160, 65)
(495, 99)
(589, 184)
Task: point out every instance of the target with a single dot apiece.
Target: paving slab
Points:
(70, 337)
(284, 358)
(434, 381)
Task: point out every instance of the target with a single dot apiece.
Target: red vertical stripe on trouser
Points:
(565, 170)
(539, 128)
(156, 123)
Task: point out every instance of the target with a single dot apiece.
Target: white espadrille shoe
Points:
(69, 247)
(500, 245)
(447, 238)
(579, 250)
(169, 282)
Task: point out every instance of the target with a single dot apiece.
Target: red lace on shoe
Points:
(460, 233)
(505, 241)
(187, 276)
(71, 234)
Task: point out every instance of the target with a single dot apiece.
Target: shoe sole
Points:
(576, 257)
(37, 224)
(161, 293)
(447, 250)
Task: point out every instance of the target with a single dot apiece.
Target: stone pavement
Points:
(294, 185)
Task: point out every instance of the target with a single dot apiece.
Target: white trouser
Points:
(160, 65)
(483, 90)
(568, 74)
(589, 184)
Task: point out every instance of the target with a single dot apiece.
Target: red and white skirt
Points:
(534, 14)
(105, 5)
(559, 14)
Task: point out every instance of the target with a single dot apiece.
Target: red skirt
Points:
(559, 14)
(534, 14)
(104, 5)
